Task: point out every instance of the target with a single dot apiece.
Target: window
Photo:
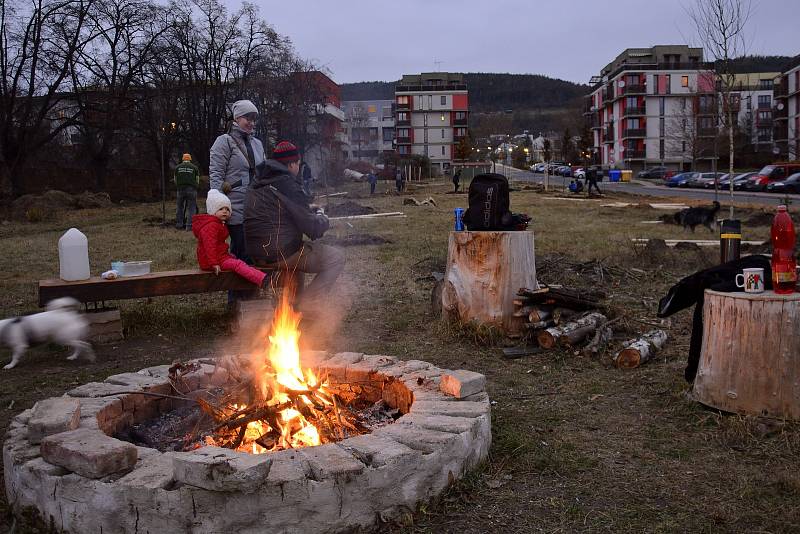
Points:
(684, 81)
(661, 149)
(461, 132)
(402, 100)
(662, 102)
(444, 101)
(461, 115)
(402, 116)
(683, 103)
(630, 102)
(404, 149)
(442, 133)
(442, 150)
(749, 102)
(402, 132)
(388, 135)
(764, 101)
(372, 108)
(765, 84)
(386, 112)
(669, 83)
(430, 101)
(633, 124)
(661, 128)
(683, 146)
(765, 115)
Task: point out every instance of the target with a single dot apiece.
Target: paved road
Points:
(647, 188)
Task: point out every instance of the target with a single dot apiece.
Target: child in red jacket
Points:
(211, 233)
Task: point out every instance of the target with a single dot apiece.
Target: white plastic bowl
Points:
(131, 268)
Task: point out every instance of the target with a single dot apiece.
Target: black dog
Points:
(692, 217)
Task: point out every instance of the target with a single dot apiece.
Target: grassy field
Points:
(577, 444)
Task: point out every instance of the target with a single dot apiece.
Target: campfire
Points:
(274, 404)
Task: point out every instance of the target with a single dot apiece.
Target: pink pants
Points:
(242, 269)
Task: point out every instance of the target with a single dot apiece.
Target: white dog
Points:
(60, 323)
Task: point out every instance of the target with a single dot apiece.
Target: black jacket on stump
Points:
(690, 290)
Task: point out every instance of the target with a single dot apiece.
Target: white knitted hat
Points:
(215, 201)
(243, 107)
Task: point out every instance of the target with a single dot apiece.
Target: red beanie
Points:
(286, 153)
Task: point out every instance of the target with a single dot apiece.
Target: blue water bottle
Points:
(459, 213)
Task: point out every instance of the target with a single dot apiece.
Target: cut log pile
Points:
(559, 317)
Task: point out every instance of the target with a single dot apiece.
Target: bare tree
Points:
(357, 120)
(720, 26)
(38, 42)
(686, 134)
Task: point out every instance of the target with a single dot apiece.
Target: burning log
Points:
(641, 350)
(570, 333)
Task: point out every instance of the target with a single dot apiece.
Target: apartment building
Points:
(369, 127)
(431, 116)
(653, 106)
(786, 131)
(752, 100)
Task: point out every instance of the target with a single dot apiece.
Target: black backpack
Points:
(488, 203)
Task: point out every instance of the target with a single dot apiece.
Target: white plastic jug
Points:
(73, 256)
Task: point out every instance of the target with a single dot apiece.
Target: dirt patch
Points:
(348, 208)
(761, 218)
(39, 207)
(354, 240)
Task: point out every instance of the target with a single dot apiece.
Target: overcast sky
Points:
(359, 40)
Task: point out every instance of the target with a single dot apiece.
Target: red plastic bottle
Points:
(784, 266)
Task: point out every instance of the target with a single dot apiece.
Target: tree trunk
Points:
(641, 350)
(750, 357)
(484, 272)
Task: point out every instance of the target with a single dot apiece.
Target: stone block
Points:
(218, 469)
(379, 360)
(157, 371)
(98, 389)
(378, 451)
(313, 358)
(105, 326)
(136, 380)
(453, 409)
(420, 439)
(53, 416)
(288, 466)
(462, 383)
(345, 358)
(155, 471)
(442, 423)
(396, 395)
(89, 453)
(405, 367)
(330, 460)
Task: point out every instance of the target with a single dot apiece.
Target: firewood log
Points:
(574, 331)
(539, 313)
(641, 350)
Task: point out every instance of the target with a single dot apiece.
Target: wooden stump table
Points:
(484, 272)
(750, 358)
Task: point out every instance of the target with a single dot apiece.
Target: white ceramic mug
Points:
(752, 280)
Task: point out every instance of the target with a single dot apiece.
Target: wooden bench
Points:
(156, 284)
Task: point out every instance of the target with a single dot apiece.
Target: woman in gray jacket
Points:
(234, 158)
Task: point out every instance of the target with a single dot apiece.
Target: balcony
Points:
(406, 122)
(430, 88)
(707, 109)
(629, 112)
(403, 106)
(763, 123)
(780, 90)
(634, 132)
(634, 154)
(593, 120)
(764, 105)
(638, 89)
(706, 132)
(608, 134)
(608, 93)
(460, 122)
(780, 132)
(587, 104)
(403, 140)
(459, 138)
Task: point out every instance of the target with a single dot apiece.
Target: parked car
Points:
(701, 179)
(676, 179)
(564, 170)
(539, 167)
(738, 181)
(580, 172)
(771, 173)
(655, 172)
(789, 185)
(709, 181)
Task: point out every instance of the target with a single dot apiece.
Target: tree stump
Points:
(484, 272)
(750, 358)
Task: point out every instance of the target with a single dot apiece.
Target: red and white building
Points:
(786, 113)
(653, 106)
(431, 116)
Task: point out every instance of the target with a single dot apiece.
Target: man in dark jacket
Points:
(187, 180)
(591, 180)
(277, 213)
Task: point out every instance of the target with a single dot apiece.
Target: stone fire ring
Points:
(59, 457)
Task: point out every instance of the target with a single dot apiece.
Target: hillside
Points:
(489, 92)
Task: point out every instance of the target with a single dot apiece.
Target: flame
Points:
(280, 374)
